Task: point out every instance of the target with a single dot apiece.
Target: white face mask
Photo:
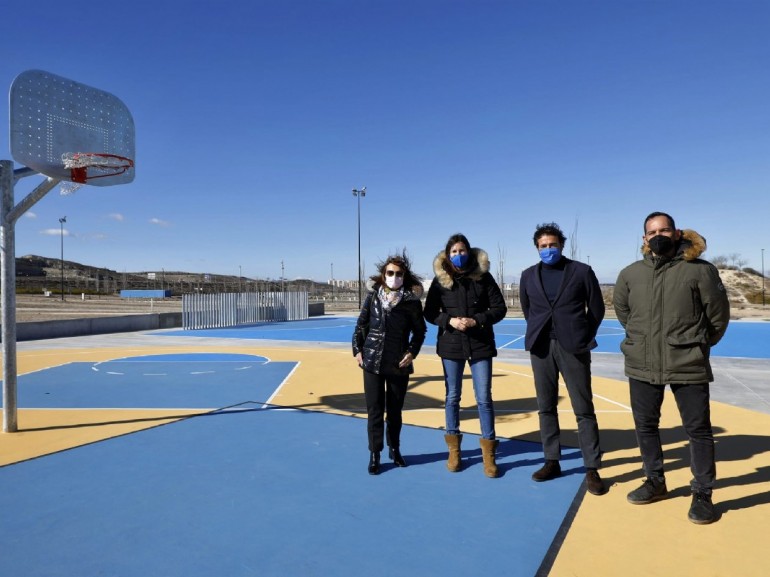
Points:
(394, 282)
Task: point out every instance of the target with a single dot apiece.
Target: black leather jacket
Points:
(384, 339)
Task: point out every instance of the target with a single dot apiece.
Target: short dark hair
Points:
(655, 215)
(550, 228)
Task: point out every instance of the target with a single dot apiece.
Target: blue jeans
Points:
(481, 371)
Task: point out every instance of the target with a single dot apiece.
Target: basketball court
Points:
(242, 451)
(190, 453)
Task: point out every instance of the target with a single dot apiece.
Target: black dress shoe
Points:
(395, 456)
(594, 482)
(374, 463)
(550, 470)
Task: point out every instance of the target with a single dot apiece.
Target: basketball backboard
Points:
(52, 116)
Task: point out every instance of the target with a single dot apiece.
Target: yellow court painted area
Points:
(46, 431)
(608, 536)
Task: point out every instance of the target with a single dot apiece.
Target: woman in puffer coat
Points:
(387, 338)
(465, 301)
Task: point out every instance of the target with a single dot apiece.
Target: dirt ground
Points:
(31, 308)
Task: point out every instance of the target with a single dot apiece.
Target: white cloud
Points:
(116, 216)
(29, 214)
(159, 222)
(54, 232)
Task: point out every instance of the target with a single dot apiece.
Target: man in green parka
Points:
(674, 308)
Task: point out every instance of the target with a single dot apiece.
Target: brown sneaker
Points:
(549, 471)
(594, 482)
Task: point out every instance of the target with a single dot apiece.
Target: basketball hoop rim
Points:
(80, 162)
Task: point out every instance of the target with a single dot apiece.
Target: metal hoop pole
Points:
(8, 216)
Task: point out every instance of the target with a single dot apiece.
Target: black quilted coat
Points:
(471, 294)
(384, 339)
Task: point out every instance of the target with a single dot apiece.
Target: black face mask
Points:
(661, 244)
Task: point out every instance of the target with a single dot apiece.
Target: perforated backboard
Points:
(52, 115)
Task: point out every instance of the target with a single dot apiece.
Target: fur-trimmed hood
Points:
(446, 280)
(691, 245)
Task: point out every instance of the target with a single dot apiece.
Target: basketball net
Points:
(85, 166)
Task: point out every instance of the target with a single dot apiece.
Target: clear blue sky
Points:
(255, 119)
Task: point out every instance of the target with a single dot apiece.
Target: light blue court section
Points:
(276, 493)
(188, 381)
(743, 339)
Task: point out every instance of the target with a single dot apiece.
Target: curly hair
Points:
(551, 229)
(401, 260)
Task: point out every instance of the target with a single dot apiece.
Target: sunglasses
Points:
(393, 272)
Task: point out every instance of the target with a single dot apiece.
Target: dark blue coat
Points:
(576, 313)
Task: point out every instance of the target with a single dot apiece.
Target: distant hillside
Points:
(36, 274)
(744, 286)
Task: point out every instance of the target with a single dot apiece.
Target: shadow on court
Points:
(274, 492)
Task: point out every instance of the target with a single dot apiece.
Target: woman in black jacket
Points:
(387, 338)
(465, 301)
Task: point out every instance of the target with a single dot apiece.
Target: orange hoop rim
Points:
(113, 163)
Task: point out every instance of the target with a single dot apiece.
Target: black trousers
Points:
(693, 403)
(548, 360)
(384, 393)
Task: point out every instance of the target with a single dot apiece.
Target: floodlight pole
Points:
(763, 277)
(9, 214)
(359, 193)
(62, 220)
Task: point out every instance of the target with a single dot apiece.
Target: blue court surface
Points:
(189, 381)
(277, 492)
(743, 339)
(248, 487)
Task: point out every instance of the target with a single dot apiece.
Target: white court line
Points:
(279, 387)
(626, 408)
(277, 330)
(513, 341)
(509, 371)
(744, 385)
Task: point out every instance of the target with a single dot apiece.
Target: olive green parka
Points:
(673, 311)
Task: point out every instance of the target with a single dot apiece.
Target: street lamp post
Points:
(358, 194)
(763, 277)
(62, 220)
(332, 282)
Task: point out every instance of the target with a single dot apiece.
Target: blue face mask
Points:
(459, 260)
(550, 255)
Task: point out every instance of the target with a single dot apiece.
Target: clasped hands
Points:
(462, 323)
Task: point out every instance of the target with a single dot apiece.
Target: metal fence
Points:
(206, 311)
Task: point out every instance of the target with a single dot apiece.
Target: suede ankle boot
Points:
(488, 447)
(453, 443)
